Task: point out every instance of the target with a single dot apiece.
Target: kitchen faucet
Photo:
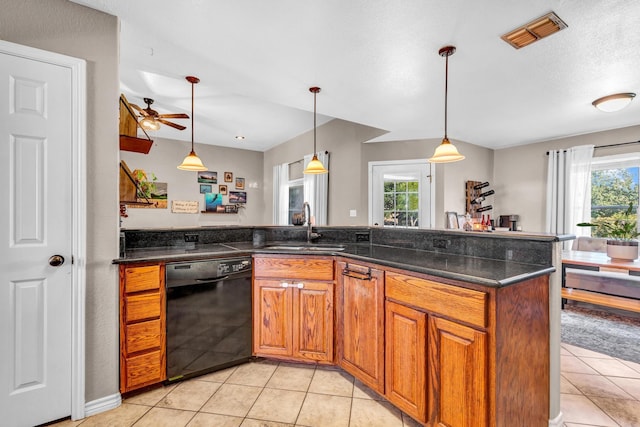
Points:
(307, 213)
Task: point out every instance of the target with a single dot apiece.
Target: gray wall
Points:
(450, 177)
(520, 173)
(166, 154)
(350, 157)
(343, 140)
(67, 28)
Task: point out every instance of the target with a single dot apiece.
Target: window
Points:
(400, 194)
(614, 185)
(291, 188)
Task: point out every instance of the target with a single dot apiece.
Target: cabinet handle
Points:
(284, 285)
(300, 285)
(356, 274)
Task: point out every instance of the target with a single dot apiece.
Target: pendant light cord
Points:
(446, 90)
(192, 94)
(314, 122)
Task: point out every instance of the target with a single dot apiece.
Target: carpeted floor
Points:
(601, 331)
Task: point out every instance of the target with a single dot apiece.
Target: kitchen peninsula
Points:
(451, 327)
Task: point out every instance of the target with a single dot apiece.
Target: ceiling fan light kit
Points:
(446, 152)
(613, 103)
(151, 119)
(192, 162)
(315, 166)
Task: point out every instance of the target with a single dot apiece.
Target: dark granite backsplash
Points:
(530, 249)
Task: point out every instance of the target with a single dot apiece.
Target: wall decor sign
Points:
(237, 197)
(205, 188)
(228, 177)
(208, 177)
(239, 183)
(184, 206)
(222, 189)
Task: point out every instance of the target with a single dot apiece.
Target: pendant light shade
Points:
(315, 166)
(192, 162)
(446, 152)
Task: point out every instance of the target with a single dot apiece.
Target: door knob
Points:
(56, 260)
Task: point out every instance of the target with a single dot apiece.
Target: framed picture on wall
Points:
(205, 188)
(228, 177)
(208, 177)
(452, 220)
(239, 183)
(222, 189)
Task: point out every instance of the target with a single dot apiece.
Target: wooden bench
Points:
(596, 298)
(594, 278)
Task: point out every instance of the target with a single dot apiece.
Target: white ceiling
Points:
(377, 63)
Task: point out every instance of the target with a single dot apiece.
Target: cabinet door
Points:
(457, 375)
(406, 359)
(272, 318)
(361, 351)
(313, 321)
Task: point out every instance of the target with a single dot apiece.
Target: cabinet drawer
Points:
(294, 268)
(140, 307)
(142, 278)
(144, 336)
(459, 303)
(144, 369)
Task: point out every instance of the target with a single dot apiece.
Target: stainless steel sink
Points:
(320, 248)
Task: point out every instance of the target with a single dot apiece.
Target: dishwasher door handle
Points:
(212, 279)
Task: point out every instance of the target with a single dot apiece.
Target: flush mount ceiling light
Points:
(615, 102)
(315, 166)
(192, 162)
(534, 30)
(446, 152)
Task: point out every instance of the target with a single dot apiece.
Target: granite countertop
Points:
(482, 271)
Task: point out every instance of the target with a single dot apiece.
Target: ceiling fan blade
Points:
(174, 116)
(141, 110)
(173, 125)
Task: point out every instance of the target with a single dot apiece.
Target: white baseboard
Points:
(557, 421)
(103, 404)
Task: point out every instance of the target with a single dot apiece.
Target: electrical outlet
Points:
(191, 238)
(440, 243)
(362, 237)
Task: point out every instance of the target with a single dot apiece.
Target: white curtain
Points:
(316, 189)
(281, 194)
(569, 190)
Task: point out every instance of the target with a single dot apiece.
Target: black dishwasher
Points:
(208, 316)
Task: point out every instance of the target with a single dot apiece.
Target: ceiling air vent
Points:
(534, 30)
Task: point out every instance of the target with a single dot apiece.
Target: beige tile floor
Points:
(597, 390)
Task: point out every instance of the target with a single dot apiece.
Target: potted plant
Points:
(621, 232)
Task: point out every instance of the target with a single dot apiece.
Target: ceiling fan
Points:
(151, 119)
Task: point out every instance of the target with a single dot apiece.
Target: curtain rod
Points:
(610, 145)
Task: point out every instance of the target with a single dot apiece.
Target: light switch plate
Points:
(352, 212)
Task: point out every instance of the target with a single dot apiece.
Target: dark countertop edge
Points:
(236, 252)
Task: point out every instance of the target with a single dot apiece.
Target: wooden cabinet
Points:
(436, 367)
(142, 326)
(457, 383)
(293, 308)
(361, 322)
(406, 359)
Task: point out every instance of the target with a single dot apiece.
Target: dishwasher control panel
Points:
(230, 266)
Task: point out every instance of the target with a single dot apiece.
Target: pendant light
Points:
(315, 166)
(446, 152)
(192, 162)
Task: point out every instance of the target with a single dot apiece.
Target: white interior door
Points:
(400, 193)
(35, 241)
